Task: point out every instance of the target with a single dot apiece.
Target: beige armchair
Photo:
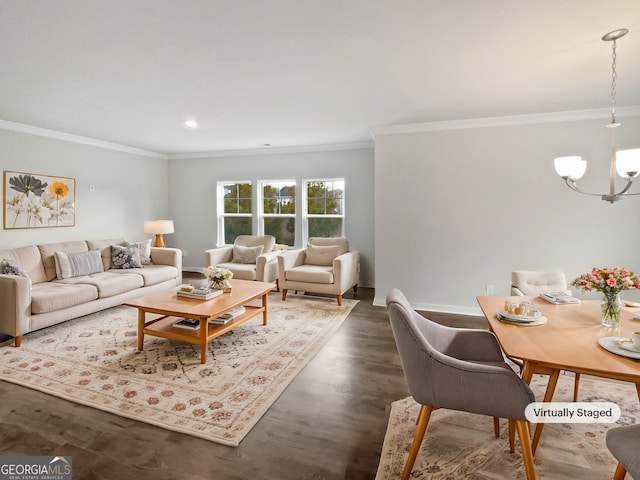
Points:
(251, 257)
(326, 266)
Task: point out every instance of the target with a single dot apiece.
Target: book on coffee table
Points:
(201, 294)
(188, 324)
(227, 317)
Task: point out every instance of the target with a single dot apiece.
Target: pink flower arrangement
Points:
(609, 281)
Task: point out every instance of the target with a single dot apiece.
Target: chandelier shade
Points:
(572, 167)
(628, 163)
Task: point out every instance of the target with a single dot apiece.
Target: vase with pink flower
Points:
(609, 281)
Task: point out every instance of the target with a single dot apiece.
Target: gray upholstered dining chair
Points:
(458, 369)
(624, 444)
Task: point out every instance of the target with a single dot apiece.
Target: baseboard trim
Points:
(434, 307)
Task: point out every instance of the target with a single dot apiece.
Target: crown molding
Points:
(272, 150)
(67, 137)
(511, 120)
(506, 121)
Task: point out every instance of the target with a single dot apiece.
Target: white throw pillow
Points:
(321, 254)
(69, 265)
(246, 254)
(144, 249)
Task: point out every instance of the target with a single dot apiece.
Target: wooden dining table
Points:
(567, 341)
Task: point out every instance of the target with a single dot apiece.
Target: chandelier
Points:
(625, 162)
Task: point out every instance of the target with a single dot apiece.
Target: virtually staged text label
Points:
(572, 412)
(35, 468)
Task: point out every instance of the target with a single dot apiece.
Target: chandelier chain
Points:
(614, 78)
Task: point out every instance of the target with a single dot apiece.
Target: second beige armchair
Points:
(326, 266)
(252, 257)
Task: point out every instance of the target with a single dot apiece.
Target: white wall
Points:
(193, 183)
(128, 188)
(459, 210)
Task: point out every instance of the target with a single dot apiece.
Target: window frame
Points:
(261, 214)
(221, 214)
(305, 206)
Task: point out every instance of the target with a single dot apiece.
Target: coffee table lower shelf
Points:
(163, 327)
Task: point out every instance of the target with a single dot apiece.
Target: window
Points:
(321, 212)
(235, 212)
(278, 210)
(324, 216)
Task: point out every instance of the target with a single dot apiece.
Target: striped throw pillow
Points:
(69, 265)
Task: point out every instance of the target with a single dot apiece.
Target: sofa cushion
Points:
(70, 265)
(51, 296)
(151, 274)
(125, 257)
(241, 271)
(107, 283)
(246, 254)
(48, 250)
(29, 259)
(310, 274)
(321, 254)
(9, 267)
(105, 249)
(144, 249)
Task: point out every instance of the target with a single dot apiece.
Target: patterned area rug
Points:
(460, 445)
(94, 361)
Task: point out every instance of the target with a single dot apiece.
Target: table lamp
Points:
(159, 228)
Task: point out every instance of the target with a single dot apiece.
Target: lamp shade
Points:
(570, 167)
(158, 226)
(628, 163)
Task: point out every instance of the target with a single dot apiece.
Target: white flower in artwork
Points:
(16, 204)
(36, 209)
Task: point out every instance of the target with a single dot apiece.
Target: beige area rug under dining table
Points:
(460, 445)
(94, 361)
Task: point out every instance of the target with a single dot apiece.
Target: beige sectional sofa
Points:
(43, 298)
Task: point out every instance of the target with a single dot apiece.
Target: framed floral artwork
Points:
(38, 201)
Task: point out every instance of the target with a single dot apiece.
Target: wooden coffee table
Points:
(172, 308)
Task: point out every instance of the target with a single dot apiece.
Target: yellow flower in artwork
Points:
(58, 190)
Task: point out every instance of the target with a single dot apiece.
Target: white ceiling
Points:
(302, 72)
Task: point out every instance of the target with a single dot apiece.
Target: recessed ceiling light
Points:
(190, 123)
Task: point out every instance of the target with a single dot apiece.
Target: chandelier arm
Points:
(574, 186)
(611, 197)
(626, 187)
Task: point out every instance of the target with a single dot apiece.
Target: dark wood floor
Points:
(328, 424)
